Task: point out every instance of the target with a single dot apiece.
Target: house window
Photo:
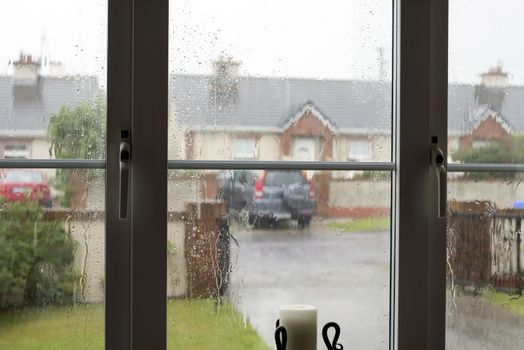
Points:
(244, 148)
(16, 150)
(481, 143)
(359, 150)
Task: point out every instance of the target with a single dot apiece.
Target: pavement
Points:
(346, 276)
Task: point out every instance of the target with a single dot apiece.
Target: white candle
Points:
(300, 322)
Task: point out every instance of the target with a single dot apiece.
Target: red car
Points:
(19, 185)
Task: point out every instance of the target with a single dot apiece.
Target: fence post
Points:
(518, 231)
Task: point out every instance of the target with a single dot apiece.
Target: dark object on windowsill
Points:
(334, 345)
(281, 336)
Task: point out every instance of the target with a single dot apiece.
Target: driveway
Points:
(346, 276)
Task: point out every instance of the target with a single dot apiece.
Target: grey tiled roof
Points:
(261, 102)
(349, 104)
(270, 101)
(28, 108)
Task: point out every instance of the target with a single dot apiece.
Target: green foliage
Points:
(373, 224)
(36, 258)
(77, 132)
(375, 175)
(513, 303)
(509, 151)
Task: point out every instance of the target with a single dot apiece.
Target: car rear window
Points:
(23, 176)
(279, 178)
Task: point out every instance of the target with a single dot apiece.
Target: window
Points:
(481, 143)
(244, 148)
(359, 150)
(16, 150)
(190, 247)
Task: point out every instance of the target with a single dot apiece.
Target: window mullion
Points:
(118, 232)
(421, 78)
(148, 189)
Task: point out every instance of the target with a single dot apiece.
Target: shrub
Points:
(508, 151)
(36, 258)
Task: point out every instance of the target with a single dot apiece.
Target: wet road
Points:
(346, 276)
(474, 324)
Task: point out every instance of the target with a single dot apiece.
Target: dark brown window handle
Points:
(125, 158)
(437, 162)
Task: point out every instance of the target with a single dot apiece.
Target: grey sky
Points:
(333, 39)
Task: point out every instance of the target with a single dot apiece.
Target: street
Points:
(346, 276)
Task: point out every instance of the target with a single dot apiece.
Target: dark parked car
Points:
(272, 195)
(21, 185)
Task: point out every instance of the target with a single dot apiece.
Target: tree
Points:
(508, 151)
(77, 132)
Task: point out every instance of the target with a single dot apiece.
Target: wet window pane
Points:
(485, 261)
(52, 79)
(485, 124)
(298, 79)
(240, 247)
(51, 259)
(486, 93)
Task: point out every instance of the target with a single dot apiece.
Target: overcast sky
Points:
(299, 38)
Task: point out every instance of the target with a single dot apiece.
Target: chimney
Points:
(492, 88)
(26, 71)
(495, 78)
(55, 69)
(224, 83)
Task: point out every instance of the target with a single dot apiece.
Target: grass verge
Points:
(191, 324)
(361, 225)
(506, 301)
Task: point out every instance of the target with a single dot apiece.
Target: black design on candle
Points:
(281, 337)
(277, 323)
(332, 345)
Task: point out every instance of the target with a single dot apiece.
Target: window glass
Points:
(239, 250)
(52, 259)
(359, 150)
(244, 148)
(52, 221)
(52, 79)
(485, 125)
(237, 70)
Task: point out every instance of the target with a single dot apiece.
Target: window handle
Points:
(125, 158)
(437, 162)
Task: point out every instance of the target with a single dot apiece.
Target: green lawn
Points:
(361, 225)
(192, 324)
(506, 301)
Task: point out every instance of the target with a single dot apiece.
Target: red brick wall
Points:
(489, 129)
(310, 126)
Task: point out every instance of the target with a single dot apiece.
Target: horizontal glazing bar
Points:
(53, 163)
(278, 165)
(256, 165)
(488, 167)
